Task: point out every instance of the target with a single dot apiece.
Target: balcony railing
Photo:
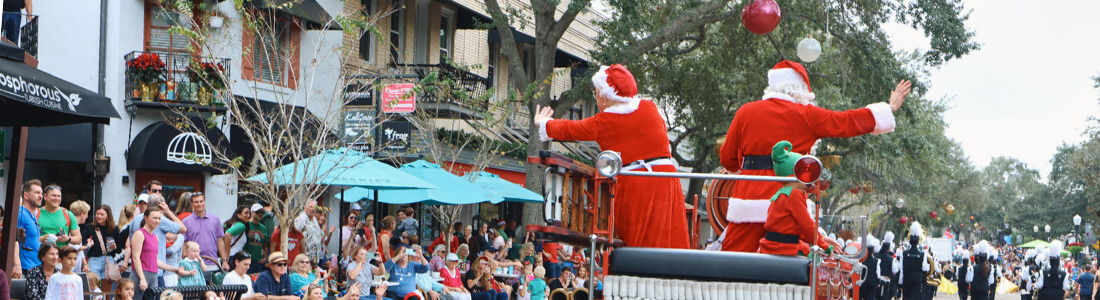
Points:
(473, 85)
(181, 81)
(26, 35)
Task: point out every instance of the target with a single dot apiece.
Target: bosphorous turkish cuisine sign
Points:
(23, 88)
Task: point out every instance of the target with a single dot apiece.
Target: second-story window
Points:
(171, 47)
(446, 34)
(367, 40)
(269, 54)
(397, 41)
(272, 51)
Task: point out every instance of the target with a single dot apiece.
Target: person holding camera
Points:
(403, 268)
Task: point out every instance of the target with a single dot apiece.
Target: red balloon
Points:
(761, 16)
(904, 219)
(933, 214)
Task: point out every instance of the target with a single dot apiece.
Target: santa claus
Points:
(785, 113)
(649, 211)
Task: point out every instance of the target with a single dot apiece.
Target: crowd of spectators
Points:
(153, 245)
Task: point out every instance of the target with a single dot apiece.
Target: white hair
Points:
(799, 93)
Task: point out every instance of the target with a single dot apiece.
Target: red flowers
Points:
(146, 68)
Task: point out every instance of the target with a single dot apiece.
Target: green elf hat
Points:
(783, 159)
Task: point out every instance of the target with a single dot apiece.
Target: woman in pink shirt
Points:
(143, 247)
(452, 280)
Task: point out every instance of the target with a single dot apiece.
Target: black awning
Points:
(564, 59)
(31, 97)
(71, 143)
(520, 37)
(162, 147)
(313, 16)
(467, 18)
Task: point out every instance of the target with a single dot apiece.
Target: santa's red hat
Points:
(615, 82)
(788, 73)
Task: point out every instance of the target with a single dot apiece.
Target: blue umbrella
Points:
(453, 190)
(511, 192)
(344, 167)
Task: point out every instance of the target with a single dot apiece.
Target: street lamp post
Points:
(1036, 230)
(1076, 224)
(1047, 228)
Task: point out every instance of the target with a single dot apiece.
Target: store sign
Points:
(399, 98)
(395, 135)
(38, 93)
(358, 124)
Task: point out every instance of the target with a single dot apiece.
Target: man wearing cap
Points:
(789, 228)
(254, 238)
(785, 113)
(206, 230)
(275, 282)
(649, 211)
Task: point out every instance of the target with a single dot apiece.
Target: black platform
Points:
(710, 265)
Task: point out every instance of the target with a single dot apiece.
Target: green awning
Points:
(1035, 243)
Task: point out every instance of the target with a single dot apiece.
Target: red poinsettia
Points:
(146, 68)
(208, 74)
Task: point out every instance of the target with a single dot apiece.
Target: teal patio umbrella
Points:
(344, 167)
(453, 190)
(511, 192)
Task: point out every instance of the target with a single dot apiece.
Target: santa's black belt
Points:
(781, 238)
(756, 162)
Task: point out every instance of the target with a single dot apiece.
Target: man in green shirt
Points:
(57, 221)
(257, 237)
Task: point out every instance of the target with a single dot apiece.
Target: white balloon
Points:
(809, 49)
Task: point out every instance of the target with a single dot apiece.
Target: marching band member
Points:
(785, 113)
(961, 271)
(869, 290)
(1054, 281)
(913, 265)
(888, 263)
(980, 274)
(649, 211)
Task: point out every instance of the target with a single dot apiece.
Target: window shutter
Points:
(295, 42)
(247, 66)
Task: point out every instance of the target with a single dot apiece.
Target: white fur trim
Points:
(884, 117)
(624, 108)
(599, 80)
(542, 131)
(784, 76)
(747, 211)
(780, 96)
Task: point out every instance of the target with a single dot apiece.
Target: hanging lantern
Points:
(904, 220)
(809, 49)
(824, 194)
(933, 214)
(854, 190)
(950, 209)
(900, 203)
(972, 218)
(761, 16)
(975, 224)
(937, 219)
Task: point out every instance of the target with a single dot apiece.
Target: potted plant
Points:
(1075, 248)
(147, 70)
(206, 78)
(217, 20)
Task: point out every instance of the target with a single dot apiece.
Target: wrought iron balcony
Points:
(182, 81)
(464, 100)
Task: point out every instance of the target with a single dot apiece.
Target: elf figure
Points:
(649, 211)
(790, 228)
(785, 113)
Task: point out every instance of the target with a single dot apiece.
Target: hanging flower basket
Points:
(1075, 248)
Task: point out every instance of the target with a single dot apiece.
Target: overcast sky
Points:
(1029, 88)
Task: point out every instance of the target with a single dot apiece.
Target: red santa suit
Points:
(649, 211)
(790, 229)
(758, 125)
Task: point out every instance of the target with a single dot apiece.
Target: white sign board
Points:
(942, 248)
